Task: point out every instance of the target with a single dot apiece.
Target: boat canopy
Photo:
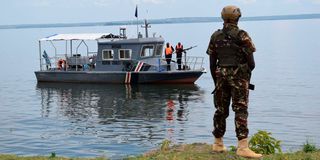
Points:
(80, 36)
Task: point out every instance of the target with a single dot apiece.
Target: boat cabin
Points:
(122, 55)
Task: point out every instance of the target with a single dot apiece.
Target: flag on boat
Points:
(136, 13)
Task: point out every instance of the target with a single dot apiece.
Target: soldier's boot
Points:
(218, 145)
(244, 150)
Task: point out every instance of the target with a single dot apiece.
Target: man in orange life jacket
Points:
(179, 50)
(168, 54)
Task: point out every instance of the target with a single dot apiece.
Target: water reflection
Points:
(116, 101)
(119, 114)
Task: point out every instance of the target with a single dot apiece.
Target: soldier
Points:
(231, 62)
(168, 54)
(179, 50)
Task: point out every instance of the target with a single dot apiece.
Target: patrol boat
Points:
(117, 59)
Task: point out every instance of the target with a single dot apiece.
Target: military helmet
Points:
(231, 13)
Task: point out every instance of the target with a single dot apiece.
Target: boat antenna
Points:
(146, 26)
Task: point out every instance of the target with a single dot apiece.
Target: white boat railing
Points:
(195, 63)
(74, 62)
(71, 58)
(188, 63)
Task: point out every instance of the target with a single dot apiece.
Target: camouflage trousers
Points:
(236, 89)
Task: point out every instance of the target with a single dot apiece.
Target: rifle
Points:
(187, 49)
(251, 86)
(184, 50)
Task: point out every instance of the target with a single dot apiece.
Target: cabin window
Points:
(159, 50)
(107, 54)
(147, 51)
(125, 53)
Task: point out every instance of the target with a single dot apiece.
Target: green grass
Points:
(199, 151)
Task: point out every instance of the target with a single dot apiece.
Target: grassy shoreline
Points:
(196, 151)
(200, 151)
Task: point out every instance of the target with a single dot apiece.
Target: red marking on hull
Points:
(139, 66)
(128, 78)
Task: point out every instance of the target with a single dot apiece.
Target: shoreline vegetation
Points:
(201, 151)
(261, 142)
(196, 151)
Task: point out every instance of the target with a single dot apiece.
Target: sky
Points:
(77, 11)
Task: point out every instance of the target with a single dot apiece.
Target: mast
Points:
(146, 26)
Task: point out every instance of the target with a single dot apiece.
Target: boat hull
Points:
(118, 77)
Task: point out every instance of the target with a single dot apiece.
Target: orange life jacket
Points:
(179, 46)
(168, 50)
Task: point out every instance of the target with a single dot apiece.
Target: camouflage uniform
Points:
(231, 81)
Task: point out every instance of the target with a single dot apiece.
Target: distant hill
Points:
(162, 21)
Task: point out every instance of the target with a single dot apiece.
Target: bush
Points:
(263, 143)
(308, 147)
(165, 145)
(233, 148)
(53, 155)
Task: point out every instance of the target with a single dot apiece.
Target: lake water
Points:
(117, 120)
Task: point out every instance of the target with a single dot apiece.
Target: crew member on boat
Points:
(168, 54)
(179, 50)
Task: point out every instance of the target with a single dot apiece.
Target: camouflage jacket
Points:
(244, 42)
(243, 36)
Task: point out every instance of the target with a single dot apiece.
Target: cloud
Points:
(71, 3)
(41, 3)
(303, 1)
(151, 1)
(247, 1)
(287, 1)
(292, 1)
(316, 1)
(110, 2)
(102, 3)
